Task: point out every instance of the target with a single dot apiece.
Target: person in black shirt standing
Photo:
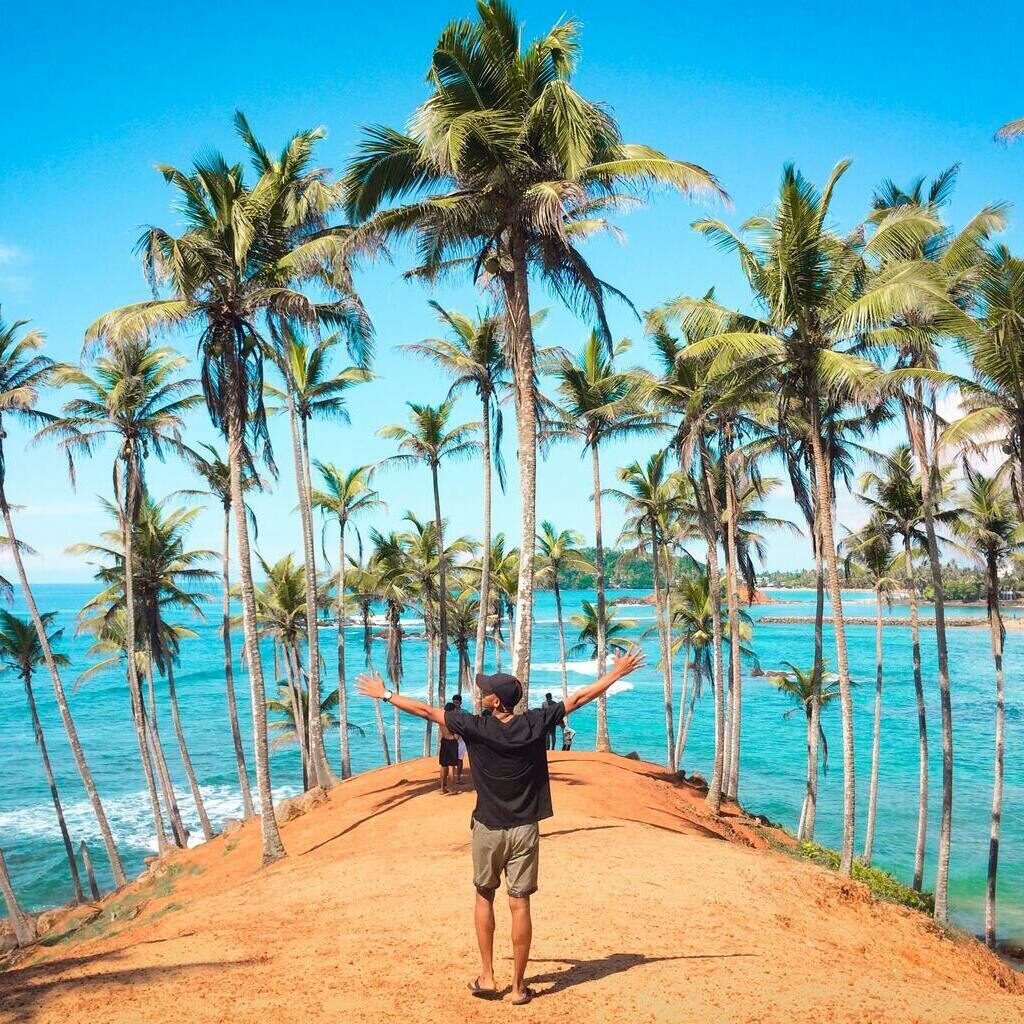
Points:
(549, 701)
(508, 761)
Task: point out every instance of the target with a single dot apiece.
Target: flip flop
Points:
(522, 1000)
(480, 992)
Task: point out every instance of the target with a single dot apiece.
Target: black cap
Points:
(505, 687)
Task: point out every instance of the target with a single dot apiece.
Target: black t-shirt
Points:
(509, 764)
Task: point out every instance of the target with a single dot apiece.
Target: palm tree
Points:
(310, 391)
(364, 585)
(429, 440)
(816, 292)
(136, 397)
(217, 476)
(870, 550)
(993, 401)
(225, 282)
(425, 568)
(286, 728)
(804, 687)
(950, 264)
(611, 632)
(394, 587)
(23, 371)
(894, 499)
(474, 357)
(556, 551)
(463, 616)
(343, 495)
(505, 166)
(281, 615)
(989, 526)
(597, 403)
(21, 652)
(650, 497)
(166, 578)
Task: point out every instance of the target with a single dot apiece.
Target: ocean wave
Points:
(581, 668)
(130, 817)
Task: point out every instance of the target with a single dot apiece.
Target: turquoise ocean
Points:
(773, 750)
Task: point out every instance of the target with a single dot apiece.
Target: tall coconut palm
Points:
(21, 652)
(474, 357)
(244, 248)
(430, 440)
(342, 496)
(310, 390)
(206, 461)
(136, 397)
(893, 497)
(804, 687)
(870, 550)
(364, 585)
(557, 551)
(650, 499)
(425, 568)
(23, 373)
(611, 632)
(949, 264)
(809, 283)
(596, 403)
(394, 587)
(993, 400)
(989, 526)
(505, 168)
(286, 728)
(167, 578)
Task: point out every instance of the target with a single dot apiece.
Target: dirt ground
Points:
(649, 910)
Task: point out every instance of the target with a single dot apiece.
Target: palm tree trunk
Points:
(186, 761)
(485, 555)
(666, 685)
(139, 720)
(517, 309)
(113, 857)
(683, 724)
(160, 761)
(346, 758)
(669, 666)
(395, 642)
(809, 815)
(996, 631)
(561, 638)
(441, 638)
(926, 470)
(273, 848)
(317, 760)
(922, 720)
(839, 628)
(381, 731)
(51, 782)
(94, 889)
(430, 690)
(876, 734)
(293, 675)
(735, 683)
(229, 671)
(603, 740)
(24, 930)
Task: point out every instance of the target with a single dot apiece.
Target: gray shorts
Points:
(516, 851)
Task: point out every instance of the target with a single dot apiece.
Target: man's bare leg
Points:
(522, 934)
(483, 913)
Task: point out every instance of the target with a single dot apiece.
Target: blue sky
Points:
(96, 94)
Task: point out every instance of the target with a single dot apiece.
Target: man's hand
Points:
(627, 661)
(370, 684)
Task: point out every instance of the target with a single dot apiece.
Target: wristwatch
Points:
(388, 694)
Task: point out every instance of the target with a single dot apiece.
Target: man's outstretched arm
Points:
(622, 665)
(370, 684)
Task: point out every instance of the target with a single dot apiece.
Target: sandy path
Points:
(648, 911)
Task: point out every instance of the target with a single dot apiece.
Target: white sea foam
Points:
(130, 817)
(580, 668)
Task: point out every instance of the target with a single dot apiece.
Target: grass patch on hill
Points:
(881, 883)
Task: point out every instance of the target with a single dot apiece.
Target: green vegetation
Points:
(881, 883)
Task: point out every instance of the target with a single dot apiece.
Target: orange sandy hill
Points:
(649, 910)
